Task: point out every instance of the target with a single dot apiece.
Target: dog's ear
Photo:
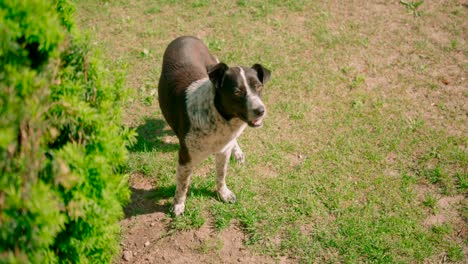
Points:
(216, 73)
(263, 73)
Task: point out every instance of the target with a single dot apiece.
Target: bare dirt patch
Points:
(266, 171)
(447, 212)
(148, 238)
(296, 159)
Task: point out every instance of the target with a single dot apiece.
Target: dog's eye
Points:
(239, 92)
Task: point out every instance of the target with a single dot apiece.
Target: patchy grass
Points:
(366, 128)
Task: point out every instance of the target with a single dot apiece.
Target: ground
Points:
(362, 157)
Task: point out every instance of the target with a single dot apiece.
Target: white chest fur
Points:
(209, 132)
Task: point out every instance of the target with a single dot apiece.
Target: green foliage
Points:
(62, 148)
(413, 6)
(455, 253)
(191, 219)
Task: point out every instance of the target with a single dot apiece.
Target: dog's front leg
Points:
(184, 173)
(237, 153)
(222, 159)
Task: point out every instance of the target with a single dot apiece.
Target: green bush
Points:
(62, 148)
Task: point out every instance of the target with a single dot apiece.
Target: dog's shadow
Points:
(143, 201)
(146, 201)
(152, 135)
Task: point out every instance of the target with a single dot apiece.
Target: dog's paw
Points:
(239, 156)
(179, 209)
(227, 196)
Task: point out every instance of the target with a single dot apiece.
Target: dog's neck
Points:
(205, 108)
(220, 108)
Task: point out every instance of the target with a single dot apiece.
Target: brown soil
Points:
(447, 213)
(148, 238)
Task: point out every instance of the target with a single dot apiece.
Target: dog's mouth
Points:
(256, 123)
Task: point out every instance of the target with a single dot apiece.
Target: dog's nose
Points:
(259, 111)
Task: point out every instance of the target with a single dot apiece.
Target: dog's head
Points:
(238, 92)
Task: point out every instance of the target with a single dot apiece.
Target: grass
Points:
(362, 115)
(413, 6)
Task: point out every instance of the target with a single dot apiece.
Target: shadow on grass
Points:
(142, 202)
(150, 137)
(145, 201)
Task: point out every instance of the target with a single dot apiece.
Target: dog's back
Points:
(185, 61)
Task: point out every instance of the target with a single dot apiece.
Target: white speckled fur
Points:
(198, 95)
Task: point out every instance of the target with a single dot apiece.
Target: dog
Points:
(208, 105)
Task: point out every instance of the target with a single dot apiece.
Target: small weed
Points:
(211, 245)
(414, 123)
(413, 6)
(364, 41)
(145, 169)
(443, 229)
(422, 68)
(378, 104)
(456, 12)
(261, 10)
(297, 116)
(430, 201)
(148, 100)
(295, 5)
(455, 253)
(433, 175)
(433, 86)
(357, 104)
(442, 107)
(242, 3)
(346, 69)
(462, 182)
(310, 85)
(153, 10)
(446, 182)
(454, 44)
(200, 3)
(357, 81)
(421, 44)
(215, 44)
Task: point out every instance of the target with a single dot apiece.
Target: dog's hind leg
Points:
(237, 153)
(184, 173)
(222, 159)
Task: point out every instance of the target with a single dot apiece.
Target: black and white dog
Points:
(208, 105)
